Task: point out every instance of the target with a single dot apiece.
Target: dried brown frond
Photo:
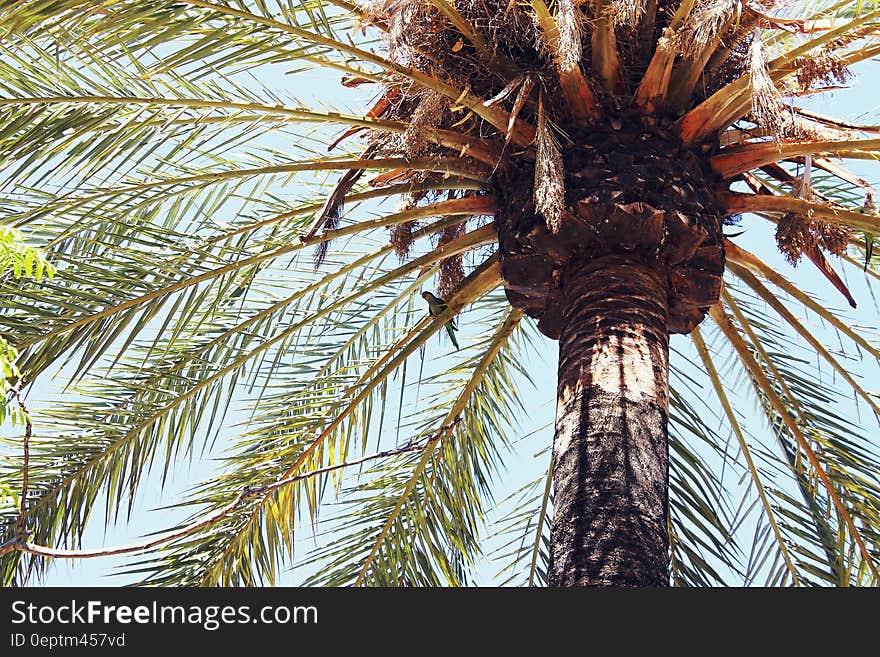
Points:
(522, 98)
(549, 191)
(330, 214)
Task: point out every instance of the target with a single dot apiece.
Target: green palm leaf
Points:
(168, 158)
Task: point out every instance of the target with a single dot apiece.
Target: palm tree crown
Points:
(146, 157)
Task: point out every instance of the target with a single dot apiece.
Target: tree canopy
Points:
(237, 275)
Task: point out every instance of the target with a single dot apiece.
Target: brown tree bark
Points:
(610, 450)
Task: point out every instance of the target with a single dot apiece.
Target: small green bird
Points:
(870, 207)
(436, 306)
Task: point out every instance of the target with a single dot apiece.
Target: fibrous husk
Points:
(703, 25)
(549, 194)
(627, 12)
(402, 237)
(568, 22)
(796, 126)
(402, 234)
(451, 269)
(401, 16)
(765, 97)
(428, 115)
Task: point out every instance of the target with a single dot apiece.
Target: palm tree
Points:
(567, 168)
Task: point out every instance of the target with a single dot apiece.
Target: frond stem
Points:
(453, 207)
(738, 258)
(581, 100)
(494, 116)
(487, 275)
(475, 238)
(703, 350)
(734, 160)
(771, 299)
(539, 529)
(737, 203)
(498, 341)
(792, 456)
(723, 321)
(21, 545)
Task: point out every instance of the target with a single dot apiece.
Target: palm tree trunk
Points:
(610, 451)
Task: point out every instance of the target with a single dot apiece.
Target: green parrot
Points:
(436, 305)
(870, 208)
